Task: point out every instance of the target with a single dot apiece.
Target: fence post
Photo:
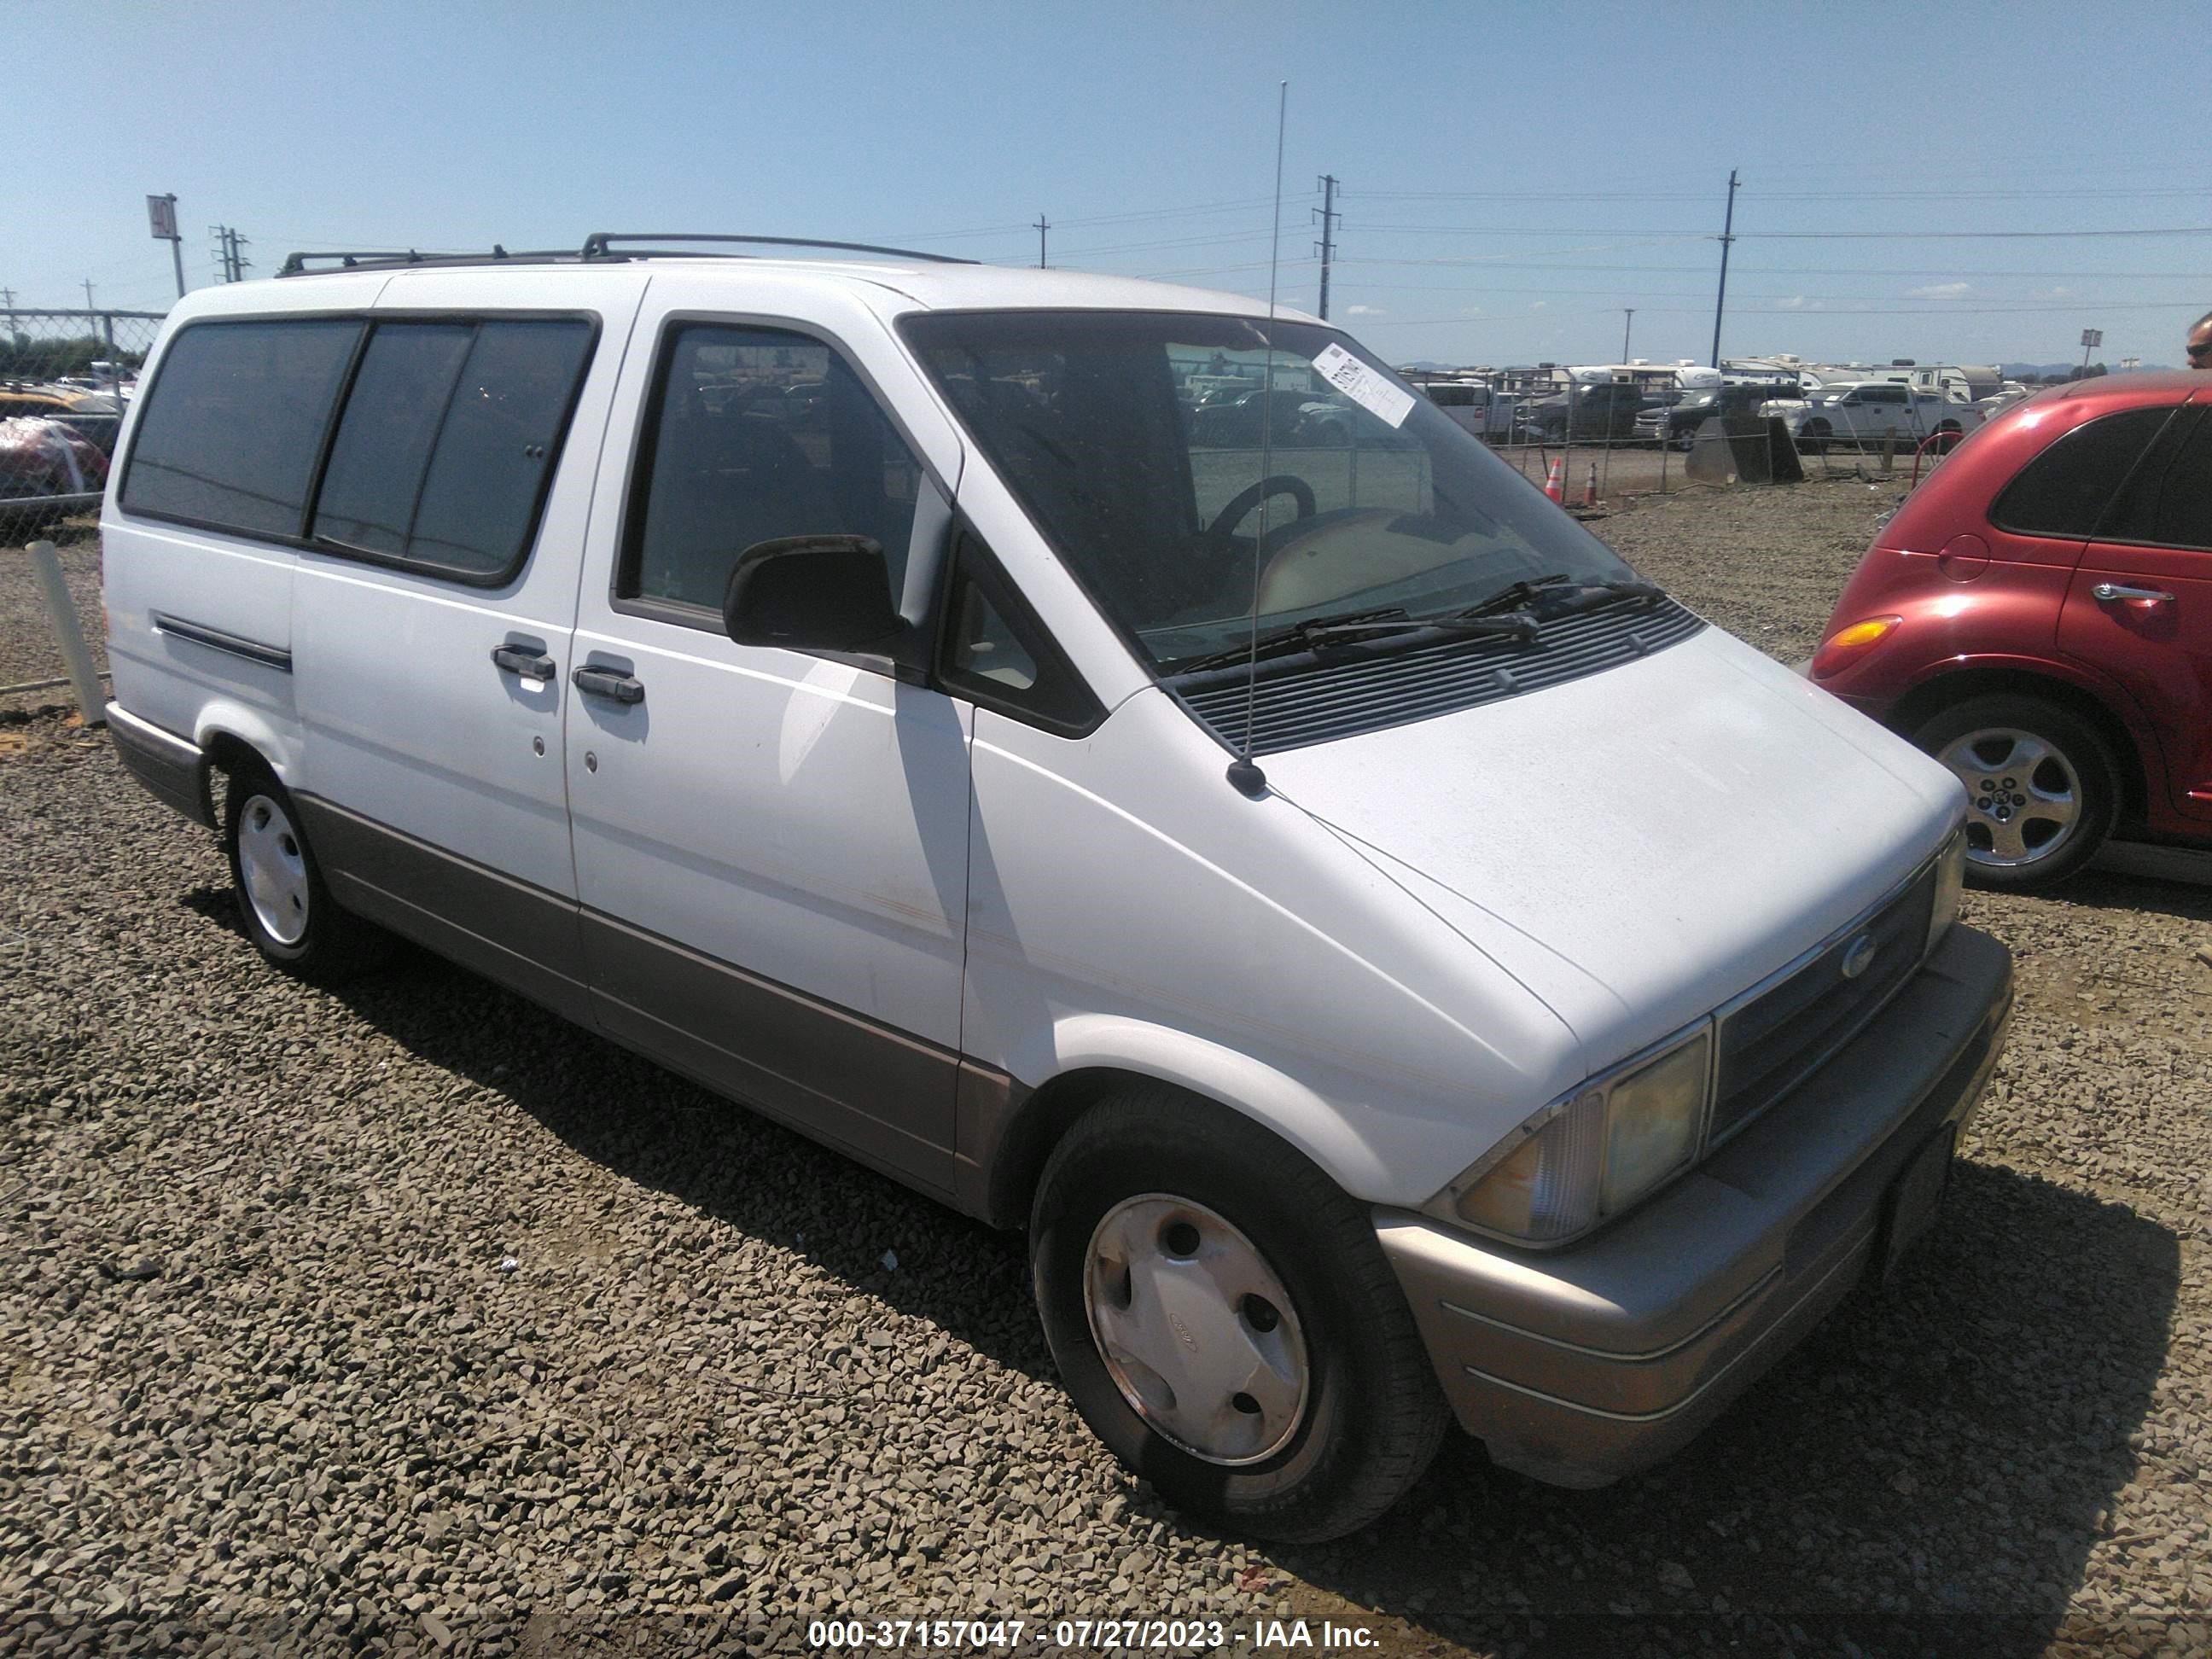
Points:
(61, 610)
(1888, 447)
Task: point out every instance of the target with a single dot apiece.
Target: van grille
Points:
(1302, 701)
(1769, 1044)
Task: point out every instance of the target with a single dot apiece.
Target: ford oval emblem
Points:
(1859, 955)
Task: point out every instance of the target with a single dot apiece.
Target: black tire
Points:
(2079, 768)
(297, 926)
(1812, 439)
(1371, 1413)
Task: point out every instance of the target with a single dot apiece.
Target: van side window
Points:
(235, 421)
(995, 652)
(756, 434)
(448, 441)
(2062, 493)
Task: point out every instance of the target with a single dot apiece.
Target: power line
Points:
(1796, 235)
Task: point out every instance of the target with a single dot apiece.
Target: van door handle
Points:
(607, 682)
(521, 660)
(2115, 591)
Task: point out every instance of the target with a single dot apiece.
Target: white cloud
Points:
(1795, 302)
(1941, 291)
(1470, 311)
(1367, 311)
(2055, 294)
(1540, 305)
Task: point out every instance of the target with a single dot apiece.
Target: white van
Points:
(1396, 964)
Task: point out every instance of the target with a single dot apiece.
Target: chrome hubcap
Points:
(1196, 1328)
(2023, 796)
(274, 868)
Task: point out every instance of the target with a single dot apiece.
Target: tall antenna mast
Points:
(1244, 772)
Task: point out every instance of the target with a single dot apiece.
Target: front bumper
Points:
(1581, 1365)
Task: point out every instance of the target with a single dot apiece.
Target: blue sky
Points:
(1514, 176)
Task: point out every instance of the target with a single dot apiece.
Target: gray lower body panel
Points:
(878, 1094)
(1581, 1365)
(506, 930)
(173, 769)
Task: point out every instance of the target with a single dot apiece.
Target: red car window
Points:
(2063, 492)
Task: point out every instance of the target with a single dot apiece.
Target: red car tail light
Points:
(1846, 645)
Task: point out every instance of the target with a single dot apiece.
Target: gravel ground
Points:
(413, 1319)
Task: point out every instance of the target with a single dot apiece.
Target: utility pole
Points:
(1044, 224)
(1628, 324)
(89, 311)
(228, 261)
(1728, 236)
(1329, 216)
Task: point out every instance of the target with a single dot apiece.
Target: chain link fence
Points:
(1603, 441)
(65, 378)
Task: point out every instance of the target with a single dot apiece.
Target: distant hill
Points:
(2044, 371)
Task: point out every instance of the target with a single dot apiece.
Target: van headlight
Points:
(1950, 881)
(1592, 1153)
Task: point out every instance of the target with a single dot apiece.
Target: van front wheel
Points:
(288, 911)
(1224, 1320)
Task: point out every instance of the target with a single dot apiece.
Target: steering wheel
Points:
(1282, 483)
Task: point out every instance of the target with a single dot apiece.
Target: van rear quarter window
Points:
(234, 421)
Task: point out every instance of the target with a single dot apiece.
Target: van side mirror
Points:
(812, 592)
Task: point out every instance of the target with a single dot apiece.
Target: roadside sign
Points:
(2092, 338)
(162, 214)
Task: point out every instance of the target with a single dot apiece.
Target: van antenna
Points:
(1244, 772)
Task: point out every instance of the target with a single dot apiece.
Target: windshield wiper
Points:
(1578, 595)
(1356, 628)
(1506, 614)
(1296, 636)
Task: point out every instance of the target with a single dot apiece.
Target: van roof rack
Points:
(598, 245)
(314, 262)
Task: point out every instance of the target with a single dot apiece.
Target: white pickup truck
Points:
(1862, 412)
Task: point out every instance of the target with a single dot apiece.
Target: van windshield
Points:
(1182, 513)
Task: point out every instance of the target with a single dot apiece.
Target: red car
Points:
(2038, 616)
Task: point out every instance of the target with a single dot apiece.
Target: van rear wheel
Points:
(288, 911)
(1226, 1322)
(2042, 789)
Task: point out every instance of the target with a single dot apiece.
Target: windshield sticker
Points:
(1363, 386)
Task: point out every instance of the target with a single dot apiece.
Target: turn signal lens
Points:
(1846, 644)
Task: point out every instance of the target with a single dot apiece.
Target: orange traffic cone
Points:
(1590, 487)
(1555, 484)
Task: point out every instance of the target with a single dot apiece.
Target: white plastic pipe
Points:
(61, 610)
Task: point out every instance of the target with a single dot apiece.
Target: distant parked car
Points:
(1299, 420)
(1865, 412)
(1601, 409)
(1676, 423)
(42, 462)
(2038, 617)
